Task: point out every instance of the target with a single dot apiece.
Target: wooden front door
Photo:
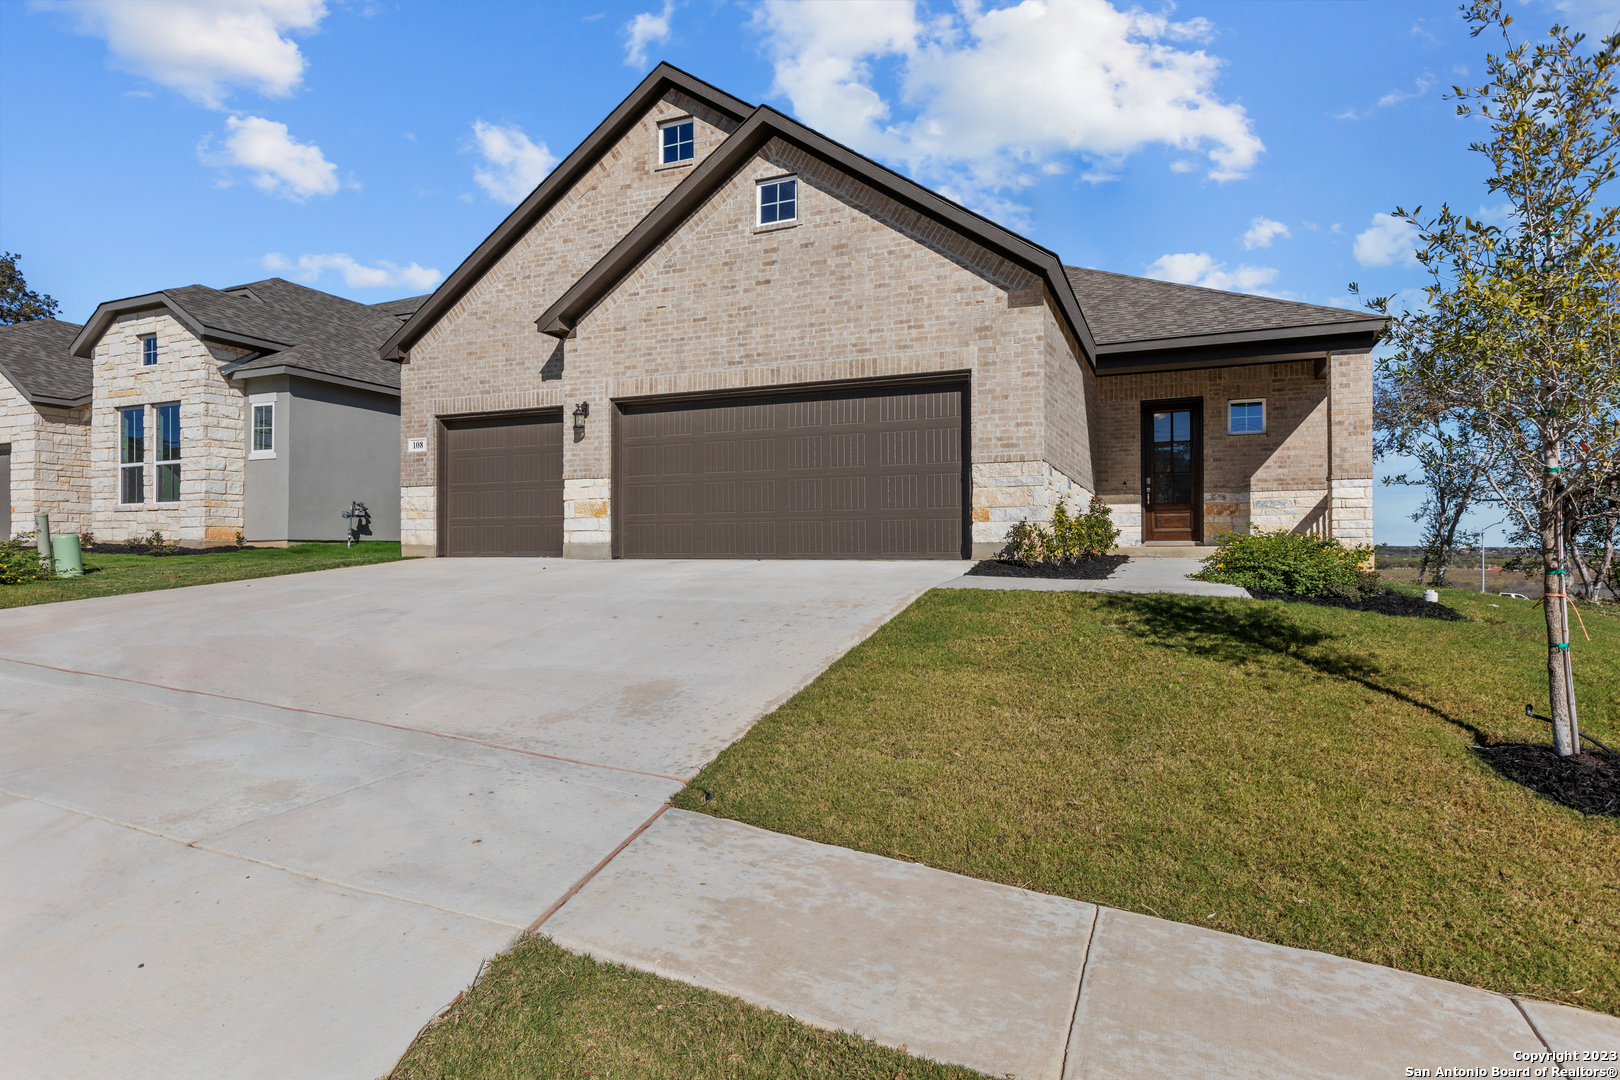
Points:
(1172, 470)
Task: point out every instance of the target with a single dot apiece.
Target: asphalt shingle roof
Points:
(321, 332)
(1120, 309)
(35, 356)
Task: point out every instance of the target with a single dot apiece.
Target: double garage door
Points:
(848, 474)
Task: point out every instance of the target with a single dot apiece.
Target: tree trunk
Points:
(1566, 740)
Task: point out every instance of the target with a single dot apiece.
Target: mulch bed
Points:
(125, 549)
(1093, 569)
(1588, 782)
(1388, 602)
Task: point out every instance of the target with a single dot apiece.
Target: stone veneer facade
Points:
(50, 462)
(212, 432)
(858, 288)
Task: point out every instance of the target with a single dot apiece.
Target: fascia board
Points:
(1234, 355)
(84, 345)
(1361, 326)
(249, 374)
(766, 123)
(557, 184)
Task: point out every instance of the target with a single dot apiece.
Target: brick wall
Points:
(213, 450)
(50, 462)
(485, 353)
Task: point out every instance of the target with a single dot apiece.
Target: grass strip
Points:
(541, 1011)
(112, 575)
(1297, 774)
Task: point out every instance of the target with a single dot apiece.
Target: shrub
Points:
(19, 565)
(1286, 562)
(151, 545)
(1084, 537)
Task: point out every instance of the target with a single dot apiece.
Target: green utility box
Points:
(65, 551)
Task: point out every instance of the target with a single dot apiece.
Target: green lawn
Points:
(541, 1011)
(109, 575)
(1286, 772)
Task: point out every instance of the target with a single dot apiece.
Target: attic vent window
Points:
(678, 144)
(149, 350)
(778, 201)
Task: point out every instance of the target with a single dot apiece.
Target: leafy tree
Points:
(19, 303)
(1517, 341)
(1407, 425)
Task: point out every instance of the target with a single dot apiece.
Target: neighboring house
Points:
(44, 426)
(713, 332)
(261, 409)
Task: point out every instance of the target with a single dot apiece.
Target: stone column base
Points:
(418, 551)
(587, 551)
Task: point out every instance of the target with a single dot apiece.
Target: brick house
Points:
(44, 426)
(713, 332)
(262, 409)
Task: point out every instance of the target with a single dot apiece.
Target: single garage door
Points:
(868, 474)
(503, 486)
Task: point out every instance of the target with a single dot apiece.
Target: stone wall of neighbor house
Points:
(486, 347)
(50, 462)
(858, 288)
(1276, 479)
(213, 449)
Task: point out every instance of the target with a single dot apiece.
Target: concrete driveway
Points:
(269, 828)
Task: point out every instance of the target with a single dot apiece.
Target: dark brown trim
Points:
(1274, 352)
(242, 375)
(1346, 329)
(880, 382)
(560, 319)
(1196, 404)
(664, 80)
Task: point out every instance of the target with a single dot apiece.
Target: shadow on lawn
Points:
(1238, 633)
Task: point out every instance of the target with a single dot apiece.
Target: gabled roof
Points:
(36, 357)
(764, 124)
(1141, 321)
(708, 102)
(289, 328)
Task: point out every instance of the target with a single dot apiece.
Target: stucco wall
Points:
(266, 480)
(49, 462)
(211, 431)
(343, 447)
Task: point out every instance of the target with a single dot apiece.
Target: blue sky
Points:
(367, 147)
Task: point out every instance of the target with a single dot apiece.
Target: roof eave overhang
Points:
(41, 399)
(662, 79)
(1272, 347)
(766, 123)
(247, 374)
(84, 344)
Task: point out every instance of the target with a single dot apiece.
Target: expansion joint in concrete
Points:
(597, 869)
(1079, 988)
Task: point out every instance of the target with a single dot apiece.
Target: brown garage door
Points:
(870, 474)
(503, 486)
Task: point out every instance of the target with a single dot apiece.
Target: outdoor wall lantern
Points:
(581, 411)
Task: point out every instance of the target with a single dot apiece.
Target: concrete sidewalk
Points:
(1155, 574)
(1013, 982)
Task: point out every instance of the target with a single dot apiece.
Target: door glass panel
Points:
(1181, 457)
(1182, 425)
(1183, 489)
(1161, 427)
(1162, 459)
(1163, 489)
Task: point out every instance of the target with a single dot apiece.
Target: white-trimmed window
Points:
(676, 142)
(1246, 417)
(262, 426)
(168, 453)
(132, 455)
(779, 200)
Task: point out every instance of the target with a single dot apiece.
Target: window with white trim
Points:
(149, 350)
(262, 427)
(778, 200)
(132, 455)
(676, 142)
(1246, 417)
(168, 453)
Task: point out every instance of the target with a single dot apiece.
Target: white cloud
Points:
(988, 96)
(644, 30)
(1262, 231)
(281, 166)
(202, 48)
(513, 164)
(356, 275)
(1395, 97)
(1596, 19)
(1203, 269)
(1390, 240)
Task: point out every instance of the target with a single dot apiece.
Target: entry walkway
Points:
(1008, 981)
(1149, 574)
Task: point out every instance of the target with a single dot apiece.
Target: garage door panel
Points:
(842, 474)
(503, 481)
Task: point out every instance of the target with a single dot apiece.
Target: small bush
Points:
(1286, 562)
(1069, 538)
(20, 565)
(151, 545)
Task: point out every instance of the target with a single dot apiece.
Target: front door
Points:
(1172, 470)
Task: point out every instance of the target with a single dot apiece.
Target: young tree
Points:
(1518, 339)
(19, 303)
(1407, 425)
